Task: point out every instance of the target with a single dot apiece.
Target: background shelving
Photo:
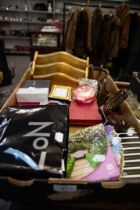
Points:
(18, 19)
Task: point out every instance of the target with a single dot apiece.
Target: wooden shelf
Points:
(26, 22)
(14, 52)
(21, 16)
(31, 11)
(14, 37)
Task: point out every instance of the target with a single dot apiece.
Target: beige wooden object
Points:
(61, 62)
(62, 56)
(59, 78)
(59, 67)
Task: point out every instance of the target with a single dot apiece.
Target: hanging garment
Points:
(96, 36)
(119, 63)
(123, 61)
(133, 63)
(119, 20)
(89, 35)
(124, 54)
(125, 32)
(114, 36)
(81, 34)
(70, 31)
(105, 38)
(122, 11)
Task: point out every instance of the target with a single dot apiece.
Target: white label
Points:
(64, 188)
(116, 140)
(130, 132)
(99, 158)
(59, 137)
(62, 165)
(33, 90)
(32, 94)
(42, 160)
(109, 167)
(60, 92)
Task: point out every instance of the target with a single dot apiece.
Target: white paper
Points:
(62, 92)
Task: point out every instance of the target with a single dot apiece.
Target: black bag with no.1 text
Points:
(33, 141)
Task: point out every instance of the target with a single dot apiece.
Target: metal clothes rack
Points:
(79, 5)
(99, 4)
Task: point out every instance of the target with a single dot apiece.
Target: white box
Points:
(33, 91)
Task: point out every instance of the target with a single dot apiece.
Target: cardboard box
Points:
(67, 189)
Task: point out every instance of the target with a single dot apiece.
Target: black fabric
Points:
(123, 65)
(97, 36)
(16, 126)
(133, 63)
(81, 34)
(105, 38)
(7, 74)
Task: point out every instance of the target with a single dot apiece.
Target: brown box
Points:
(65, 189)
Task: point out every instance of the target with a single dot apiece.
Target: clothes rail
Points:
(99, 4)
(80, 5)
(111, 2)
(120, 1)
